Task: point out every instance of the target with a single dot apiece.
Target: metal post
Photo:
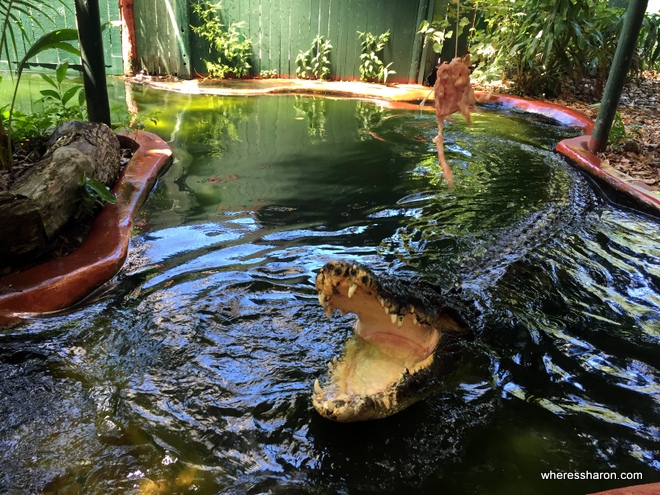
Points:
(91, 53)
(617, 76)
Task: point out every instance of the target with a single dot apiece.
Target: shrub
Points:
(233, 48)
(372, 67)
(315, 62)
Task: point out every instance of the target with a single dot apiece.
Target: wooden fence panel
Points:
(280, 29)
(162, 34)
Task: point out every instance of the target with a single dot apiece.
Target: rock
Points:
(47, 197)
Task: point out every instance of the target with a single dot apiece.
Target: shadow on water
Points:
(192, 371)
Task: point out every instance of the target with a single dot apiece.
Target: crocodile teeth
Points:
(328, 311)
(385, 400)
(393, 317)
(322, 299)
(317, 387)
(387, 310)
(400, 321)
(351, 290)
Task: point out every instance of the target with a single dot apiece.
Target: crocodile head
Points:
(392, 358)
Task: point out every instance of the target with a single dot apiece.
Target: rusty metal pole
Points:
(625, 49)
(128, 42)
(93, 63)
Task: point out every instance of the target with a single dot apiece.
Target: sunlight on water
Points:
(193, 371)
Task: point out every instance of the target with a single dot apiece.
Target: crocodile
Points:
(402, 331)
(408, 330)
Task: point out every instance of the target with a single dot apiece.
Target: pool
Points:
(192, 370)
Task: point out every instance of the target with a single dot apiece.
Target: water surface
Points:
(192, 370)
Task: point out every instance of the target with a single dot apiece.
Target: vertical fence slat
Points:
(284, 38)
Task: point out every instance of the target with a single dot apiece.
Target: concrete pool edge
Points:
(59, 283)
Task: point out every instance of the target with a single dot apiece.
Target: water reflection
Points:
(193, 371)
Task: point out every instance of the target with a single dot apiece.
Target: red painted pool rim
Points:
(57, 284)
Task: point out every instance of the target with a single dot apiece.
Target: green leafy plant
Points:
(14, 35)
(268, 74)
(436, 33)
(62, 102)
(372, 67)
(315, 62)
(93, 195)
(649, 42)
(548, 46)
(443, 27)
(233, 48)
(622, 136)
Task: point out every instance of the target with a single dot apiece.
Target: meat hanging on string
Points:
(453, 93)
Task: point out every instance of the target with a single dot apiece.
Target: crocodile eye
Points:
(365, 279)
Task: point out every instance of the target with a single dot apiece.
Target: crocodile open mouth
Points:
(388, 363)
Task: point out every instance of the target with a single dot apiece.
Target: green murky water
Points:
(191, 372)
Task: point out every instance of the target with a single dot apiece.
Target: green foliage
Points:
(315, 62)
(442, 27)
(24, 126)
(268, 74)
(436, 33)
(649, 43)
(233, 48)
(548, 46)
(14, 34)
(622, 137)
(62, 102)
(94, 195)
(372, 67)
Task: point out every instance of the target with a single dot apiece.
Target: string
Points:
(457, 23)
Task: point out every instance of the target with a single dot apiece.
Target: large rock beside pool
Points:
(48, 196)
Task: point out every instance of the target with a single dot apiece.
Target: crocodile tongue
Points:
(393, 343)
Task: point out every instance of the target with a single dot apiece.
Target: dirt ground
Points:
(638, 154)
